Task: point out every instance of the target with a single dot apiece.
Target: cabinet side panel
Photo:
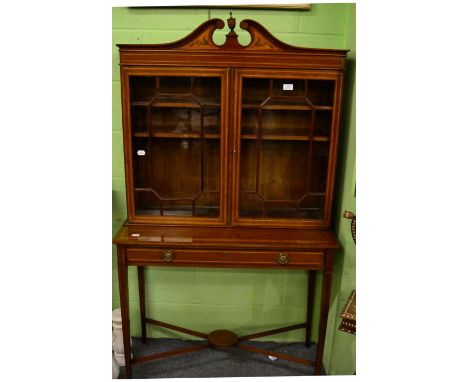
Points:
(334, 147)
(126, 121)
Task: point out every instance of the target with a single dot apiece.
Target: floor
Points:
(218, 362)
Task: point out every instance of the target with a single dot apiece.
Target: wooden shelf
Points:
(185, 105)
(140, 103)
(178, 104)
(321, 139)
(285, 213)
(278, 137)
(180, 211)
(176, 135)
(308, 194)
(270, 137)
(286, 107)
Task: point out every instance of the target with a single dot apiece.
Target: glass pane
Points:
(176, 167)
(141, 165)
(281, 209)
(283, 165)
(248, 166)
(142, 89)
(176, 145)
(319, 166)
(140, 120)
(174, 85)
(178, 207)
(211, 121)
(175, 100)
(279, 181)
(311, 207)
(323, 119)
(320, 92)
(211, 165)
(287, 123)
(250, 120)
(250, 205)
(207, 90)
(207, 204)
(147, 203)
(181, 188)
(278, 103)
(289, 88)
(255, 90)
(175, 120)
(284, 147)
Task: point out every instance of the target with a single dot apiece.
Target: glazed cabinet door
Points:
(175, 145)
(286, 136)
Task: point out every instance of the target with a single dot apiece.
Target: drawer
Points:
(217, 258)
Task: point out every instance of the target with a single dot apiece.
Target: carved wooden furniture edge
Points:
(260, 35)
(201, 39)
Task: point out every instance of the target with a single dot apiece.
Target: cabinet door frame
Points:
(239, 74)
(126, 72)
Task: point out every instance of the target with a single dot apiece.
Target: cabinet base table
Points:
(225, 247)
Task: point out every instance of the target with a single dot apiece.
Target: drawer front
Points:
(217, 258)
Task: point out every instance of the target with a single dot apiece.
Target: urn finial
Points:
(231, 23)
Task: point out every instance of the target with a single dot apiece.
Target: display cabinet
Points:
(230, 156)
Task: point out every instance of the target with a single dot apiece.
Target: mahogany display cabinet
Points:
(230, 156)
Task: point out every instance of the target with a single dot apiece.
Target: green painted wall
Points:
(340, 351)
(243, 300)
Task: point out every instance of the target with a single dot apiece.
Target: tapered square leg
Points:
(124, 307)
(324, 306)
(141, 294)
(310, 303)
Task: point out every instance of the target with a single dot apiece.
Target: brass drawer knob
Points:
(283, 258)
(168, 256)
